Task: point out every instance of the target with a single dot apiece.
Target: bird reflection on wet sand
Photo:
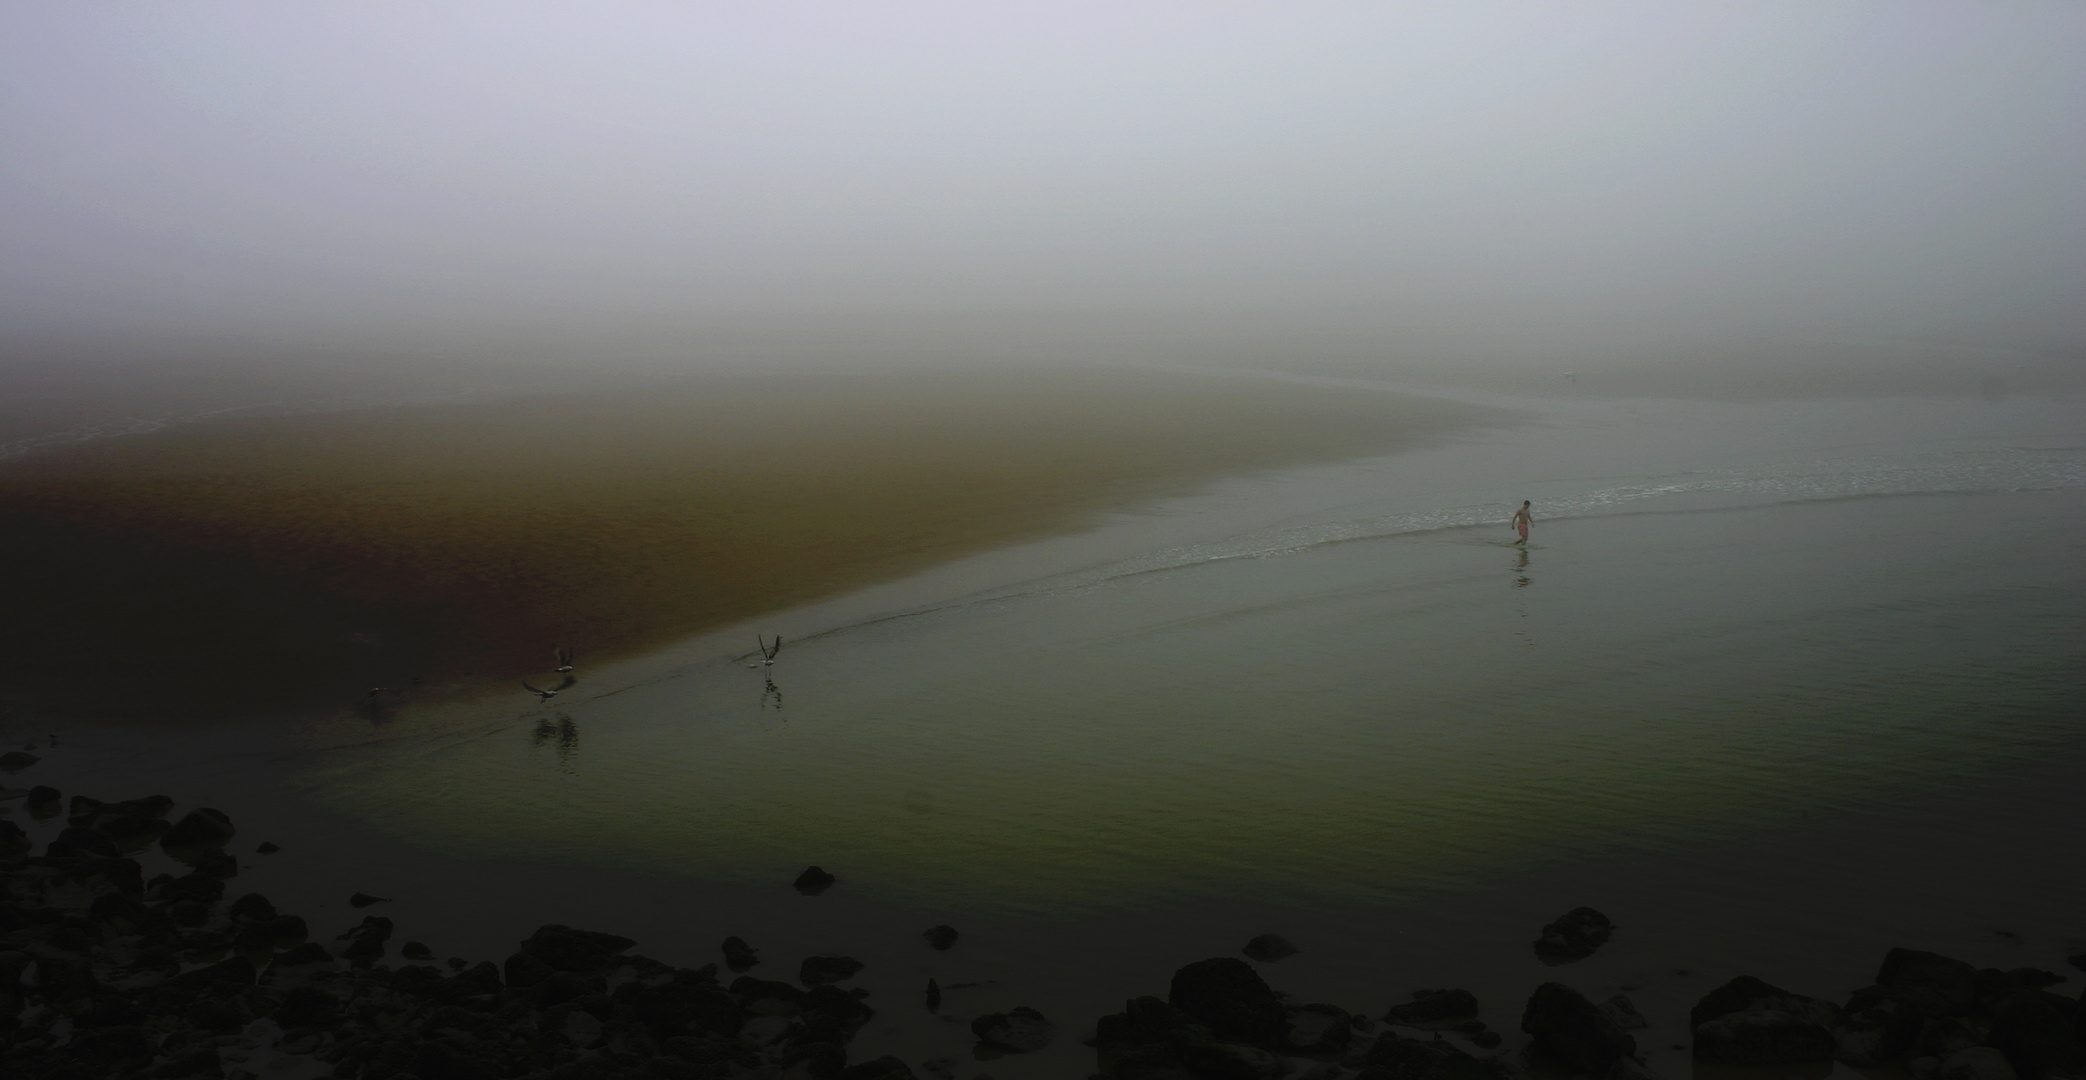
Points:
(562, 735)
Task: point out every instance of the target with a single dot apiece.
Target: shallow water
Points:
(1361, 701)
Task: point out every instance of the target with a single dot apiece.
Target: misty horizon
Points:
(1504, 186)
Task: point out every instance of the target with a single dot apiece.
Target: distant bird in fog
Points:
(768, 652)
(1571, 378)
(564, 655)
(546, 695)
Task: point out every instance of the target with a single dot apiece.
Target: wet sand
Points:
(294, 562)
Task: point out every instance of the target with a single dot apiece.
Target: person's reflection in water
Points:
(565, 736)
(1522, 637)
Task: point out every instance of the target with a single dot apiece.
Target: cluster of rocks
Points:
(1938, 1018)
(104, 974)
(1221, 1021)
(1934, 1017)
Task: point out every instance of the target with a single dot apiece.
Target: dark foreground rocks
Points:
(105, 975)
(1940, 1017)
(1221, 1021)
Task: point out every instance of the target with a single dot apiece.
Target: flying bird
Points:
(546, 695)
(564, 655)
(768, 652)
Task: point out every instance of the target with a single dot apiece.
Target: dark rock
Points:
(883, 1068)
(525, 970)
(1269, 948)
(814, 881)
(739, 956)
(933, 996)
(1019, 1030)
(188, 912)
(941, 936)
(1229, 998)
(1318, 1029)
(14, 842)
(363, 900)
(268, 847)
(413, 950)
(1571, 1031)
(201, 827)
(820, 970)
(196, 887)
(2039, 1035)
(75, 842)
(288, 930)
(567, 949)
(1229, 1061)
(1574, 936)
(217, 863)
(2076, 958)
(766, 998)
(2034, 978)
(1490, 1040)
(1624, 1012)
(1976, 1063)
(251, 908)
(1434, 1009)
(834, 1011)
(1395, 1057)
(1748, 1022)
(43, 802)
(15, 761)
(689, 1003)
(311, 952)
(305, 1007)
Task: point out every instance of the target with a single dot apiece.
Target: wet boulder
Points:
(15, 761)
(202, 827)
(567, 949)
(1434, 1009)
(1749, 1022)
(1573, 936)
(1977, 1063)
(1231, 1061)
(821, 970)
(2039, 1035)
(1318, 1029)
(1624, 1012)
(43, 801)
(197, 887)
(1396, 1057)
(1268, 948)
(940, 937)
(1020, 1030)
(14, 842)
(739, 956)
(887, 1067)
(813, 881)
(1573, 1032)
(75, 842)
(1229, 998)
(251, 908)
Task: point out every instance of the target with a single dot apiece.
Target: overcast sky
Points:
(1486, 173)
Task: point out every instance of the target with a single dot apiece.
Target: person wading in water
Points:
(1521, 520)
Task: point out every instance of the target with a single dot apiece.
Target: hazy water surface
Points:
(1728, 617)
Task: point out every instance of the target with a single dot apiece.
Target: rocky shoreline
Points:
(106, 974)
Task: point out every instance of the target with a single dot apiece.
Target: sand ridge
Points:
(263, 562)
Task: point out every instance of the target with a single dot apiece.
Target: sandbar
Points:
(290, 562)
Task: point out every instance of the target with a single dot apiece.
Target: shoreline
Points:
(441, 551)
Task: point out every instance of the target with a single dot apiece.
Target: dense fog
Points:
(1490, 188)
